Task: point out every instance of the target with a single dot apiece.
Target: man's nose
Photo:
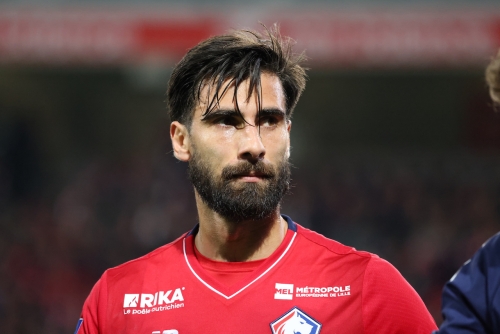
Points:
(251, 147)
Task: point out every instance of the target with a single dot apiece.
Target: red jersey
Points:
(309, 285)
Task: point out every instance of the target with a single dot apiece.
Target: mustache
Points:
(245, 168)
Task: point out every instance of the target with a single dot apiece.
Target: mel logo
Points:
(295, 321)
(283, 291)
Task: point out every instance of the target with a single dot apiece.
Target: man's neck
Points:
(223, 240)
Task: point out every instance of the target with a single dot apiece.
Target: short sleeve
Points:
(93, 316)
(390, 304)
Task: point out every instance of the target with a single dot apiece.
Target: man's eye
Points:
(268, 121)
(229, 121)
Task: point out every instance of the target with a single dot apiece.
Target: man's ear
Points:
(180, 141)
(288, 128)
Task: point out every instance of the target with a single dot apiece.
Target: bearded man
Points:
(245, 267)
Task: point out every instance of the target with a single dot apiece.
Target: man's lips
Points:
(248, 173)
(251, 176)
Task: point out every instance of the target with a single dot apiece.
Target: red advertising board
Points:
(354, 38)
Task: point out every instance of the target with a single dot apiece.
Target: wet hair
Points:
(493, 78)
(226, 61)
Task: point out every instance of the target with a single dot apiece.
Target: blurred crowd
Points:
(425, 212)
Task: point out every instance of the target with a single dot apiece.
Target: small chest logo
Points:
(290, 291)
(150, 299)
(295, 321)
(146, 303)
(283, 291)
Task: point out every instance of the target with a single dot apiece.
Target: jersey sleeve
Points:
(93, 316)
(390, 304)
(469, 297)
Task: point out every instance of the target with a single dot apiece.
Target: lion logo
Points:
(295, 321)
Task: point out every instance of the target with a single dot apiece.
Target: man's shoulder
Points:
(328, 245)
(170, 253)
(314, 246)
(485, 263)
(492, 245)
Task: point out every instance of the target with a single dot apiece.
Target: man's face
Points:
(239, 163)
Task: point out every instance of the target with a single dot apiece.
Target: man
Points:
(245, 268)
(471, 299)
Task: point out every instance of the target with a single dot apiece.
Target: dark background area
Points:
(403, 163)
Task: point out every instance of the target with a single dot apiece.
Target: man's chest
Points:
(289, 299)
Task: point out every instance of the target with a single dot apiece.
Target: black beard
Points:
(248, 201)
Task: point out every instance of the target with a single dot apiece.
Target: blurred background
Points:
(396, 145)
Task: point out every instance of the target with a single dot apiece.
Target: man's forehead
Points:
(212, 95)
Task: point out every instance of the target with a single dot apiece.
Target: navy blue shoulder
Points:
(487, 255)
(470, 300)
(490, 250)
(493, 242)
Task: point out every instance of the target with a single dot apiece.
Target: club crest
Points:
(295, 321)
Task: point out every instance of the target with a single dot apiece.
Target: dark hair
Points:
(234, 57)
(493, 78)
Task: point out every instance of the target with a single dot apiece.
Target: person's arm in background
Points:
(471, 299)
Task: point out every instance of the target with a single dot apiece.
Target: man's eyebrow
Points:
(220, 113)
(234, 113)
(272, 112)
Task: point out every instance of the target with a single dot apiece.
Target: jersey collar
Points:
(291, 226)
(230, 292)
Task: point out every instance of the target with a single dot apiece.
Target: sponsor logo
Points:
(130, 300)
(286, 291)
(283, 291)
(323, 292)
(167, 331)
(295, 321)
(145, 303)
